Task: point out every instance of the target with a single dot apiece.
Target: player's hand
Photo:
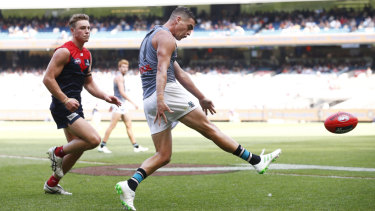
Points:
(161, 108)
(207, 105)
(72, 104)
(135, 106)
(113, 100)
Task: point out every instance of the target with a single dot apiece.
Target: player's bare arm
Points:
(120, 84)
(94, 90)
(59, 59)
(165, 44)
(189, 85)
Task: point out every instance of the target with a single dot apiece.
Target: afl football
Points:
(341, 122)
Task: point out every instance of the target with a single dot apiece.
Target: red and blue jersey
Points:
(72, 77)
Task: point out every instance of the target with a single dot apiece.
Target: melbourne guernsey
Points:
(72, 77)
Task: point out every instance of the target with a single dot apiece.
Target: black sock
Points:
(132, 184)
(246, 155)
(103, 144)
(135, 145)
(254, 160)
(137, 178)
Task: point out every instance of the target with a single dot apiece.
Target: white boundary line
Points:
(323, 176)
(247, 167)
(238, 167)
(280, 166)
(46, 159)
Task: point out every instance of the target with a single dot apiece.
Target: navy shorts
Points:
(62, 120)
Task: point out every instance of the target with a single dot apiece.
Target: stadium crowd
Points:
(219, 61)
(326, 70)
(36, 65)
(279, 91)
(348, 20)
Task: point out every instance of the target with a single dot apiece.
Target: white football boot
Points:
(266, 160)
(126, 195)
(104, 149)
(56, 162)
(55, 190)
(140, 149)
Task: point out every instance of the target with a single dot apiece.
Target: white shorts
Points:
(120, 109)
(177, 100)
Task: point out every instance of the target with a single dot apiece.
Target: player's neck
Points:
(169, 26)
(78, 44)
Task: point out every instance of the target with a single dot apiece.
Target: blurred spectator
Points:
(298, 20)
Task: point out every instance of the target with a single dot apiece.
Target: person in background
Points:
(121, 112)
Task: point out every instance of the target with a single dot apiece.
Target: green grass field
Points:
(22, 178)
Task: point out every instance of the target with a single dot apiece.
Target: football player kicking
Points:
(165, 103)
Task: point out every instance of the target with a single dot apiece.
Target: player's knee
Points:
(94, 141)
(164, 159)
(128, 123)
(97, 141)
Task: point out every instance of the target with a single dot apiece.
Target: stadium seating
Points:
(340, 20)
(302, 82)
(282, 91)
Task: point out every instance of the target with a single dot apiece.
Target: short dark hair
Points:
(77, 17)
(184, 12)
